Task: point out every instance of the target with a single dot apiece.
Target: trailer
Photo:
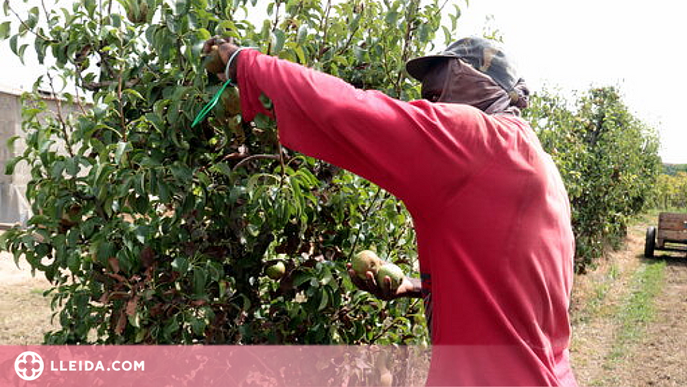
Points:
(671, 234)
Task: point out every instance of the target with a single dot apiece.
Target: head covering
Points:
(485, 57)
(468, 86)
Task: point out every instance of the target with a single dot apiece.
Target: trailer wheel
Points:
(650, 242)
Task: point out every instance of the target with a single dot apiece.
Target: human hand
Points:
(217, 52)
(407, 288)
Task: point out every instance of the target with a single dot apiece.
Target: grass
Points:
(38, 291)
(636, 312)
(596, 304)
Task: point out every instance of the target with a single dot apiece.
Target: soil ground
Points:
(24, 313)
(649, 348)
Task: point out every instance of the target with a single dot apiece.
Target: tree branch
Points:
(60, 117)
(255, 157)
(95, 86)
(365, 216)
(38, 35)
(412, 11)
(274, 26)
(324, 27)
(121, 105)
(350, 39)
(45, 9)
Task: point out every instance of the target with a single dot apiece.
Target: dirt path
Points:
(630, 319)
(660, 358)
(24, 312)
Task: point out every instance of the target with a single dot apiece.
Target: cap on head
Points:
(482, 54)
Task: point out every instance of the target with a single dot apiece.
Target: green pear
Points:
(393, 272)
(213, 62)
(365, 261)
(276, 270)
(231, 102)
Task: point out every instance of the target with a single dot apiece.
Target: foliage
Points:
(607, 158)
(671, 192)
(672, 169)
(152, 232)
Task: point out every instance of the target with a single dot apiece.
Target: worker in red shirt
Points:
(490, 210)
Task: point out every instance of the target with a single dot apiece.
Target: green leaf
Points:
(203, 34)
(278, 39)
(143, 233)
(181, 7)
(171, 25)
(391, 18)
(4, 239)
(300, 54)
(74, 263)
(199, 281)
(301, 278)
(180, 264)
(133, 93)
(198, 326)
(4, 30)
(13, 44)
(222, 168)
(122, 147)
(324, 300)
(72, 166)
(302, 34)
(11, 164)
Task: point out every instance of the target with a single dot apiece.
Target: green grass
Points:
(636, 312)
(596, 305)
(655, 211)
(649, 217)
(37, 291)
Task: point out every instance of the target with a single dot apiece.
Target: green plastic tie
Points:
(210, 105)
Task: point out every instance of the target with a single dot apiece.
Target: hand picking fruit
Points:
(382, 279)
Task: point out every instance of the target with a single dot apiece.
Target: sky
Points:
(563, 45)
(574, 45)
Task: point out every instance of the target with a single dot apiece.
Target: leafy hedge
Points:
(608, 159)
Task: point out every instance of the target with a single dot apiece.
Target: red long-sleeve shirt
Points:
(490, 211)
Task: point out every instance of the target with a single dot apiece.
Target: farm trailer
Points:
(671, 234)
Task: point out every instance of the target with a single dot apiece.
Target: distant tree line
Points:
(674, 169)
(671, 189)
(608, 159)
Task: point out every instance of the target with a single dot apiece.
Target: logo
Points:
(29, 366)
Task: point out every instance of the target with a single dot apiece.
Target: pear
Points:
(276, 270)
(393, 272)
(231, 102)
(365, 261)
(213, 62)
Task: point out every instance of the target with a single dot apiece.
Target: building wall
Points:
(13, 205)
(14, 208)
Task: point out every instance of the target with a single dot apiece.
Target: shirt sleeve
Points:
(412, 149)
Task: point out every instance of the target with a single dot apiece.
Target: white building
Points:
(14, 208)
(13, 205)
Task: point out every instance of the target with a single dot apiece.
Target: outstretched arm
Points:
(409, 148)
